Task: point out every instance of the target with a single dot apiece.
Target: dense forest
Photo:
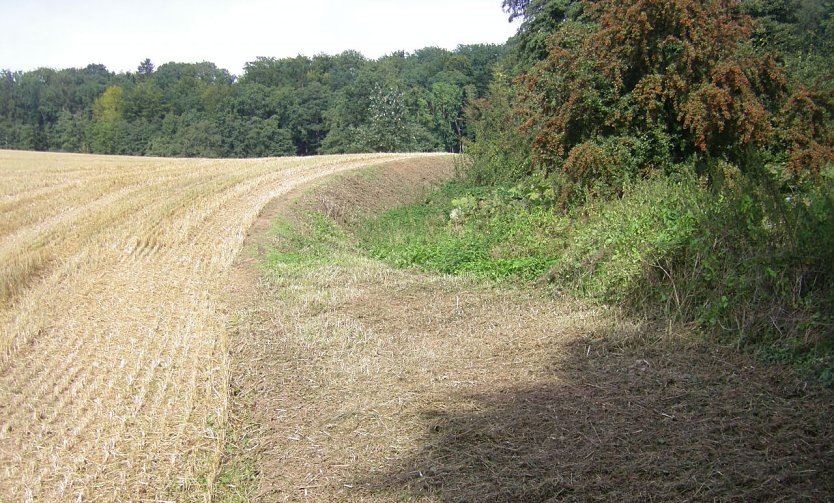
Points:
(291, 106)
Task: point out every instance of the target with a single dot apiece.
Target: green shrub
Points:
(612, 241)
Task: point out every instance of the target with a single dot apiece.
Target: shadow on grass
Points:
(645, 423)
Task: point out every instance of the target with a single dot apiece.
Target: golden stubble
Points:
(114, 363)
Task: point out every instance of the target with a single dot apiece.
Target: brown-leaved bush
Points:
(676, 81)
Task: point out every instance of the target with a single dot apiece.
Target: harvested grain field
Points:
(113, 357)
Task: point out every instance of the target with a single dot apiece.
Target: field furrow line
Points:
(72, 190)
(24, 209)
(104, 223)
(131, 395)
(113, 377)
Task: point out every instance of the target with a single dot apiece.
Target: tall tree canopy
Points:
(287, 106)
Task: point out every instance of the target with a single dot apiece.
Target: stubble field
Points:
(113, 358)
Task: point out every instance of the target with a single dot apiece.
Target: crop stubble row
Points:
(113, 365)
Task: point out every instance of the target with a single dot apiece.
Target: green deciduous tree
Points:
(145, 69)
(144, 101)
(108, 132)
(540, 19)
(390, 126)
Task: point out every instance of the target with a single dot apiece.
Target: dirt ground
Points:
(353, 381)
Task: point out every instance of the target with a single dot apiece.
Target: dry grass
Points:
(113, 348)
(353, 381)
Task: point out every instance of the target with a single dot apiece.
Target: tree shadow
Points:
(655, 421)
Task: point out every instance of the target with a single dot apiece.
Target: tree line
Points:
(288, 106)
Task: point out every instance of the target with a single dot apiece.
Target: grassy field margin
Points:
(356, 381)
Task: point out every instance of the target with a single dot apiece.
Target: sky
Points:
(119, 34)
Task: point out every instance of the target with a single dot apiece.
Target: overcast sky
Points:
(120, 34)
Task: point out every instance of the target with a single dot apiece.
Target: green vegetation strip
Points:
(669, 248)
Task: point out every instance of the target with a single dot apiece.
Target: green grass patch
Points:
(669, 247)
(609, 244)
(439, 235)
(598, 251)
(311, 240)
(237, 480)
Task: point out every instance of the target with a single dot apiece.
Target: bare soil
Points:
(353, 381)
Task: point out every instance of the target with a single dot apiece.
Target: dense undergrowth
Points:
(670, 248)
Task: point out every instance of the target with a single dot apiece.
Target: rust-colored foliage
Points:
(678, 74)
(807, 126)
(725, 108)
(640, 37)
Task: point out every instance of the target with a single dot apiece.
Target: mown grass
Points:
(670, 248)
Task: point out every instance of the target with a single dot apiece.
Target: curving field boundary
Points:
(113, 358)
